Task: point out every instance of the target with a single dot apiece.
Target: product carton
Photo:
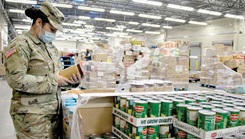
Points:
(68, 73)
(100, 57)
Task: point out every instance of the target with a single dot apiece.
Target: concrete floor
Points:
(6, 126)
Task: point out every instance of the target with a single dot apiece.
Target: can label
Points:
(181, 134)
(122, 125)
(192, 116)
(242, 118)
(152, 132)
(117, 102)
(233, 118)
(130, 105)
(128, 129)
(154, 109)
(206, 122)
(140, 110)
(139, 132)
(117, 122)
(176, 102)
(221, 120)
(123, 104)
(189, 136)
(181, 112)
(166, 108)
(164, 132)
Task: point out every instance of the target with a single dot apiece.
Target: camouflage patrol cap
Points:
(55, 16)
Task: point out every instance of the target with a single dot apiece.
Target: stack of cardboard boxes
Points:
(2, 67)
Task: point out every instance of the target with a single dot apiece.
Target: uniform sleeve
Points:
(17, 77)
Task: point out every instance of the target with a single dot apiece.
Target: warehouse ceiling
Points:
(158, 12)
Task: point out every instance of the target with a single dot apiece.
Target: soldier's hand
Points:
(62, 81)
(76, 78)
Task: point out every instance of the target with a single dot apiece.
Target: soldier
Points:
(32, 65)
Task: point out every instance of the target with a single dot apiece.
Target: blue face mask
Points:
(48, 37)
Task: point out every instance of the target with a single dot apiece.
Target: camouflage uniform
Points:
(31, 66)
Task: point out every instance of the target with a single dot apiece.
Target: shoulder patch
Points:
(10, 52)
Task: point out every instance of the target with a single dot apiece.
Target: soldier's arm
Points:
(17, 77)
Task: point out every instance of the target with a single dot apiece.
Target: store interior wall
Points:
(151, 40)
(3, 32)
(73, 46)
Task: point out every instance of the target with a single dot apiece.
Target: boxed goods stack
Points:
(151, 86)
(99, 75)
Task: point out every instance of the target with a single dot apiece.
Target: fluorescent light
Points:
(27, 20)
(22, 26)
(134, 23)
(84, 30)
(62, 5)
(79, 22)
(209, 12)
(16, 11)
(150, 16)
(71, 24)
(152, 32)
(180, 7)
(175, 20)
(149, 2)
(125, 36)
(122, 12)
(84, 17)
(111, 35)
(111, 28)
(23, 1)
(88, 26)
(168, 27)
(104, 19)
(198, 23)
(91, 9)
(234, 16)
(151, 25)
(132, 30)
(120, 33)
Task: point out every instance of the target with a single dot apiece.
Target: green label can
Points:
(122, 125)
(207, 107)
(181, 134)
(154, 108)
(205, 103)
(233, 117)
(228, 105)
(221, 118)
(130, 105)
(181, 112)
(164, 132)
(228, 101)
(206, 120)
(176, 102)
(152, 132)
(201, 99)
(117, 122)
(140, 109)
(128, 129)
(117, 102)
(216, 102)
(192, 115)
(188, 101)
(146, 98)
(166, 108)
(195, 104)
(139, 132)
(189, 136)
(123, 101)
(241, 116)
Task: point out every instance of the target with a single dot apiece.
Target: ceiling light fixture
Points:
(23, 1)
(122, 13)
(174, 6)
(175, 20)
(125, 36)
(152, 32)
(84, 30)
(132, 30)
(198, 23)
(120, 33)
(167, 27)
(22, 26)
(79, 22)
(27, 20)
(112, 28)
(62, 5)
(84, 17)
(133, 23)
(105, 19)
(151, 25)
(17, 11)
(234, 16)
(209, 12)
(91, 9)
(88, 26)
(149, 2)
(71, 24)
(150, 16)
(111, 35)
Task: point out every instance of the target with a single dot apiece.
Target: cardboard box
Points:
(68, 73)
(100, 57)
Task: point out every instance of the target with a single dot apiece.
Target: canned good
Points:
(139, 132)
(218, 106)
(123, 100)
(117, 102)
(140, 109)
(192, 115)
(206, 120)
(164, 132)
(221, 118)
(207, 107)
(94, 136)
(128, 129)
(152, 132)
(202, 95)
(194, 104)
(201, 99)
(168, 98)
(130, 105)
(117, 122)
(122, 125)
(181, 112)
(188, 101)
(241, 116)
(154, 108)
(205, 103)
(228, 105)
(216, 102)
(216, 99)
(233, 117)
(228, 101)
(146, 98)
(176, 102)
(189, 136)
(181, 134)
(180, 98)
(240, 104)
(166, 108)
